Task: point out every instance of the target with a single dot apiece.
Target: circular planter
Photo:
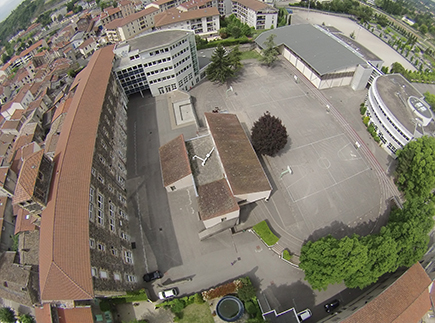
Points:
(229, 309)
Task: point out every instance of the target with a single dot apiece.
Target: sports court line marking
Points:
(328, 187)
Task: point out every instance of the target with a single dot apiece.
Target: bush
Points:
(198, 298)
(363, 110)
(286, 255)
(251, 308)
(263, 230)
(366, 120)
(225, 42)
(246, 292)
(177, 305)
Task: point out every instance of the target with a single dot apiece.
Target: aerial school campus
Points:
(149, 198)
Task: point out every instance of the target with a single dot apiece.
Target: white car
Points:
(169, 293)
(304, 315)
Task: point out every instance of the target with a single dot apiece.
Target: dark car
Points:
(152, 276)
(331, 305)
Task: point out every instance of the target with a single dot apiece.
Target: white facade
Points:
(255, 13)
(204, 26)
(209, 223)
(338, 78)
(396, 122)
(160, 61)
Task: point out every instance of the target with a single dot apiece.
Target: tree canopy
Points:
(430, 99)
(223, 65)
(416, 167)
(268, 135)
(269, 52)
(360, 261)
(7, 315)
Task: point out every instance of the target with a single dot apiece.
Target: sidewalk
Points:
(143, 311)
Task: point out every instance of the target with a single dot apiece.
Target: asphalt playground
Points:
(332, 189)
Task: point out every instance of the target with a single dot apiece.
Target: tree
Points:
(268, 135)
(269, 52)
(26, 318)
(330, 260)
(246, 292)
(7, 315)
(220, 67)
(235, 56)
(423, 29)
(416, 168)
(430, 98)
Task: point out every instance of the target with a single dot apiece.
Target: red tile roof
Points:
(216, 199)
(239, 160)
(174, 15)
(88, 41)
(404, 301)
(24, 222)
(174, 161)
(77, 314)
(65, 267)
(255, 5)
(27, 178)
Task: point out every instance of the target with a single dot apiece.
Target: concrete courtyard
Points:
(333, 190)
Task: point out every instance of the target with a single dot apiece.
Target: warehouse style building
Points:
(85, 250)
(398, 112)
(324, 59)
(161, 61)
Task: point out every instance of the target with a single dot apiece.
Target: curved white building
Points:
(398, 112)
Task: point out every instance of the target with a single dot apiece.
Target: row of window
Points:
(164, 78)
(389, 120)
(167, 88)
(104, 274)
(179, 53)
(160, 70)
(185, 68)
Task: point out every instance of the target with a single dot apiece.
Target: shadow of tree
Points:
(340, 230)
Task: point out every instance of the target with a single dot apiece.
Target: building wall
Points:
(216, 220)
(163, 69)
(252, 197)
(338, 78)
(180, 184)
(202, 26)
(109, 235)
(262, 19)
(392, 133)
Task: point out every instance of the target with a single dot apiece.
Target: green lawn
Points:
(196, 313)
(250, 54)
(263, 230)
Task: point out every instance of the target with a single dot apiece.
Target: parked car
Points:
(152, 276)
(304, 315)
(169, 293)
(331, 305)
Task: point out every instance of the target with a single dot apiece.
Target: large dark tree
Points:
(223, 65)
(268, 135)
(7, 315)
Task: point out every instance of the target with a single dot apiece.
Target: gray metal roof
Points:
(150, 40)
(324, 53)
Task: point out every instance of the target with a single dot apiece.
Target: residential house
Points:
(130, 26)
(204, 22)
(255, 13)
